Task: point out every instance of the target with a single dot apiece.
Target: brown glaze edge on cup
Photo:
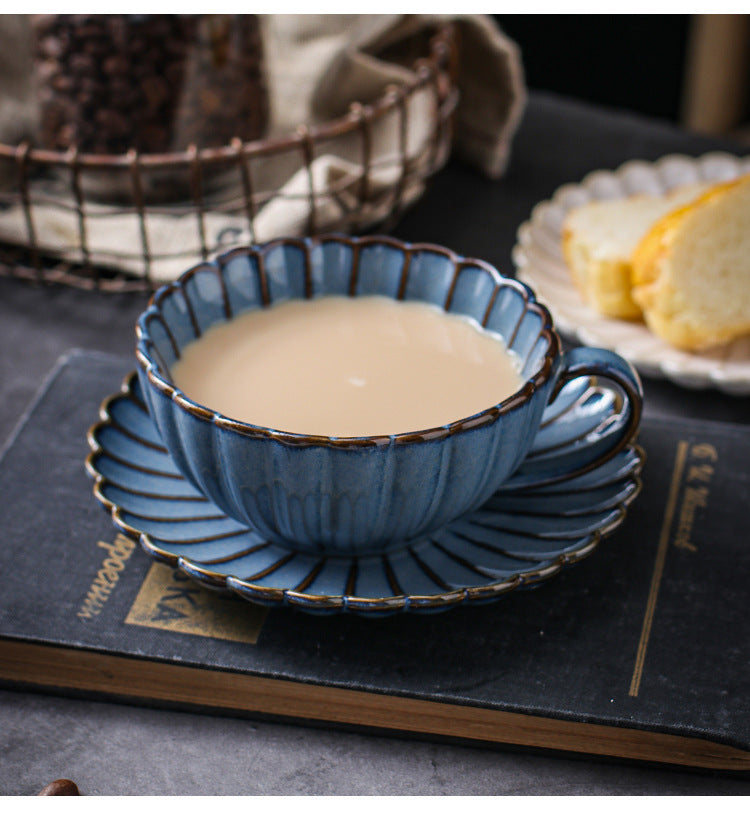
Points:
(482, 418)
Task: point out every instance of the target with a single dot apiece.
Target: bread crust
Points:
(598, 239)
(673, 306)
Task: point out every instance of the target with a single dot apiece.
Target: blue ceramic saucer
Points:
(527, 532)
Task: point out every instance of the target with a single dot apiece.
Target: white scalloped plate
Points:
(539, 262)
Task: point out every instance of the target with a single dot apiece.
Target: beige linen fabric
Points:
(490, 80)
(316, 65)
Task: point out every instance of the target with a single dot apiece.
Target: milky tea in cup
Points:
(340, 366)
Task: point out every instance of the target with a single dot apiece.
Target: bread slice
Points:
(691, 271)
(598, 240)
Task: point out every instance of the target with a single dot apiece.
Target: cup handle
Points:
(595, 361)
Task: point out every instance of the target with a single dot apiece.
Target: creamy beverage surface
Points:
(340, 366)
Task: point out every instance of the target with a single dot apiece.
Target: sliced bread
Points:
(598, 240)
(691, 270)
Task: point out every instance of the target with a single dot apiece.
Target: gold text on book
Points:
(108, 575)
(693, 471)
(699, 474)
(171, 601)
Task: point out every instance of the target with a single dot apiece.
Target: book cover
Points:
(639, 651)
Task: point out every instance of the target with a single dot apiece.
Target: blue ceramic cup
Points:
(359, 495)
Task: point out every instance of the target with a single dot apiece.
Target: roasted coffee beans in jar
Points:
(155, 83)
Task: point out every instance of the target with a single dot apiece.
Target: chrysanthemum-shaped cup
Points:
(358, 495)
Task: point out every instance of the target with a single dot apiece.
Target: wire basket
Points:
(114, 246)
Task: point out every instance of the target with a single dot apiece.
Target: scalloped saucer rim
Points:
(631, 461)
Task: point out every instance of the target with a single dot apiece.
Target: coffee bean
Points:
(62, 83)
(116, 65)
(155, 90)
(60, 787)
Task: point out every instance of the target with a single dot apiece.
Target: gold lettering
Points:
(106, 545)
(102, 582)
(107, 576)
(171, 601)
(122, 545)
(704, 450)
(684, 543)
(87, 612)
(700, 473)
(696, 493)
(697, 497)
(694, 498)
(113, 564)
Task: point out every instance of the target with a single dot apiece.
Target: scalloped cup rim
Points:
(483, 417)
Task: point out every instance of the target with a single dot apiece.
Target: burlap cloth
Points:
(316, 66)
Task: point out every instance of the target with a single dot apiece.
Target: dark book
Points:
(640, 651)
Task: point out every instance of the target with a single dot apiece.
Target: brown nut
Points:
(59, 787)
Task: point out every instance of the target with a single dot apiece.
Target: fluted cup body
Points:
(329, 495)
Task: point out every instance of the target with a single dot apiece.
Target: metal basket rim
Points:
(31, 259)
(439, 50)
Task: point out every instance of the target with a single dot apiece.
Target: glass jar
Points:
(154, 83)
